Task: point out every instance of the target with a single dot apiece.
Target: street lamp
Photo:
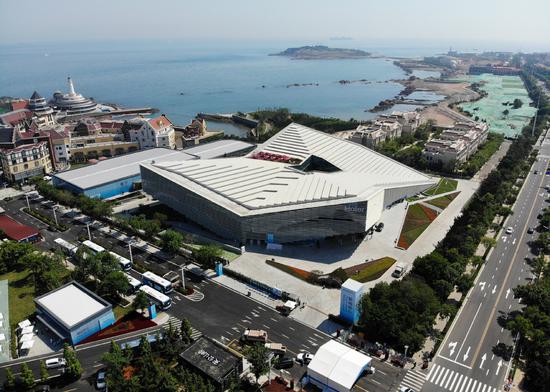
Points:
(182, 279)
(28, 204)
(406, 348)
(88, 228)
(130, 242)
(55, 215)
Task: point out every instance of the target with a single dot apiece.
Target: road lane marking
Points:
(284, 336)
(454, 380)
(449, 379)
(468, 331)
(431, 370)
(445, 371)
(265, 326)
(272, 319)
(292, 329)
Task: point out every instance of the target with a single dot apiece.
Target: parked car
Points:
(370, 370)
(54, 363)
(304, 358)
(406, 389)
(398, 271)
(284, 363)
(379, 227)
(530, 230)
(100, 382)
(276, 348)
(509, 230)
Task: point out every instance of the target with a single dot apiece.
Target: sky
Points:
(499, 24)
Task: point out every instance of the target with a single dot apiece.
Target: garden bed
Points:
(443, 201)
(372, 270)
(417, 220)
(129, 323)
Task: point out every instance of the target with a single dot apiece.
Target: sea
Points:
(183, 79)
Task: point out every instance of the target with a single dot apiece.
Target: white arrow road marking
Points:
(498, 366)
(494, 290)
(504, 238)
(514, 242)
(482, 284)
(452, 346)
(507, 293)
(483, 358)
(465, 357)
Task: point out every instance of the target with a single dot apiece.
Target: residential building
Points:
(24, 154)
(409, 120)
(100, 145)
(150, 133)
(374, 134)
(456, 144)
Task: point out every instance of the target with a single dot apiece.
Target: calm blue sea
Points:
(182, 79)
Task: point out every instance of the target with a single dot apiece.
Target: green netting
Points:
(501, 89)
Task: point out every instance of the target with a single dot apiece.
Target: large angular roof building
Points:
(301, 184)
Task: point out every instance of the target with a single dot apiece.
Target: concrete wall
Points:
(98, 323)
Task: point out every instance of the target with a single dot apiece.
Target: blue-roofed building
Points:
(115, 176)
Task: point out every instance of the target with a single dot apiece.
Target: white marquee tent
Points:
(337, 367)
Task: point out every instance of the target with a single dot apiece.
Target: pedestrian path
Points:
(414, 379)
(450, 380)
(176, 323)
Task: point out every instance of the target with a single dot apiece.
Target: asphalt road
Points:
(222, 314)
(474, 355)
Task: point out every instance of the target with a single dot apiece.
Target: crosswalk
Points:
(176, 323)
(414, 379)
(450, 380)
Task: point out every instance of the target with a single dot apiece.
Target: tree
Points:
(11, 253)
(141, 301)
(73, 369)
(115, 362)
(258, 355)
(171, 241)
(149, 368)
(517, 103)
(186, 331)
(44, 375)
(114, 284)
(46, 270)
(9, 384)
(208, 255)
(27, 377)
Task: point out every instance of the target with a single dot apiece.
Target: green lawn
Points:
(443, 201)
(120, 312)
(21, 295)
(444, 185)
(225, 253)
(374, 270)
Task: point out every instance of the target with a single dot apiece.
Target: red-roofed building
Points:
(19, 104)
(20, 118)
(151, 133)
(16, 231)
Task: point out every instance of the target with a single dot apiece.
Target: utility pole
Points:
(89, 234)
(28, 204)
(536, 115)
(55, 215)
(182, 279)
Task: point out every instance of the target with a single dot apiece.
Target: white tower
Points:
(71, 86)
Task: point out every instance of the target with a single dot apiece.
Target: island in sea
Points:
(321, 52)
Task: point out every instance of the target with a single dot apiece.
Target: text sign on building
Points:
(354, 208)
(210, 358)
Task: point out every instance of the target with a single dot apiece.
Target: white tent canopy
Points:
(29, 329)
(26, 337)
(24, 323)
(27, 345)
(337, 366)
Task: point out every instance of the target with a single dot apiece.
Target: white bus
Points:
(125, 264)
(135, 284)
(95, 248)
(156, 282)
(163, 301)
(65, 246)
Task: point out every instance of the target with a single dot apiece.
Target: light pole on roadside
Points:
(55, 215)
(28, 204)
(182, 278)
(406, 348)
(89, 234)
(130, 242)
